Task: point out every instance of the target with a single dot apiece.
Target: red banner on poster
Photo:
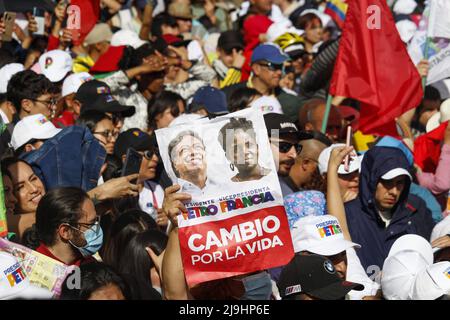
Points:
(246, 243)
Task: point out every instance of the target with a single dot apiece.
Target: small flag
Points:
(336, 9)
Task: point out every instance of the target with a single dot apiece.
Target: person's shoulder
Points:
(415, 204)
(353, 208)
(228, 90)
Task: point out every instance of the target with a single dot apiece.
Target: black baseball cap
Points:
(280, 122)
(132, 138)
(96, 95)
(316, 276)
(229, 40)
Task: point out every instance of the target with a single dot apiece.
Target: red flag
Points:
(427, 148)
(84, 19)
(373, 67)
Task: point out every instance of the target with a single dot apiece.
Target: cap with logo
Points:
(6, 72)
(409, 255)
(73, 82)
(433, 282)
(96, 95)
(14, 282)
(55, 64)
(320, 235)
(270, 53)
(316, 276)
(36, 126)
(324, 158)
(280, 124)
(132, 138)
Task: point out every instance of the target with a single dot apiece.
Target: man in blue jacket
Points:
(384, 209)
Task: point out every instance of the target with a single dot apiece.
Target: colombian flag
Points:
(336, 9)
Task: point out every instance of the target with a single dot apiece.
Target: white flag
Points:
(438, 51)
(439, 21)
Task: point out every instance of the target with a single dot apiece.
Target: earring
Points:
(232, 167)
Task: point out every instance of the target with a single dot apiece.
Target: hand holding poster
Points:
(235, 222)
(42, 271)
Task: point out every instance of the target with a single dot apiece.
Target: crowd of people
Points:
(377, 229)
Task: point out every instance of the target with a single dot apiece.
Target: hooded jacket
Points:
(410, 215)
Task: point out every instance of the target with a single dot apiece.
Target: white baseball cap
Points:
(405, 6)
(409, 255)
(433, 282)
(324, 158)
(14, 282)
(266, 104)
(439, 117)
(320, 235)
(441, 229)
(394, 173)
(74, 81)
(55, 64)
(36, 126)
(127, 38)
(6, 73)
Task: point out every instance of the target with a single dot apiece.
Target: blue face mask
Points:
(94, 241)
(257, 287)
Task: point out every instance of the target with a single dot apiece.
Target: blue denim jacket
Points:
(72, 158)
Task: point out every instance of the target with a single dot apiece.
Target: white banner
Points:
(439, 19)
(438, 52)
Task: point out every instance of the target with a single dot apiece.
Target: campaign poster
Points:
(235, 222)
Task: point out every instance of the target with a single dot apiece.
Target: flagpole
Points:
(3, 223)
(327, 113)
(425, 56)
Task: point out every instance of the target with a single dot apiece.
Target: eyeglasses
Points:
(94, 226)
(272, 66)
(149, 153)
(49, 103)
(107, 134)
(284, 146)
(90, 225)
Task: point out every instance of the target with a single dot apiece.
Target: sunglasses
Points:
(284, 147)
(272, 66)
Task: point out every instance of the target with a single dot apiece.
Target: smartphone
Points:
(40, 20)
(347, 144)
(8, 19)
(132, 163)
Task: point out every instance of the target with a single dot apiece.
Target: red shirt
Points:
(44, 250)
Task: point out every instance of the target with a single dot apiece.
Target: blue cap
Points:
(270, 53)
(210, 98)
(388, 141)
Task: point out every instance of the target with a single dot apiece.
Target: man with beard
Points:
(304, 174)
(188, 156)
(238, 140)
(284, 141)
